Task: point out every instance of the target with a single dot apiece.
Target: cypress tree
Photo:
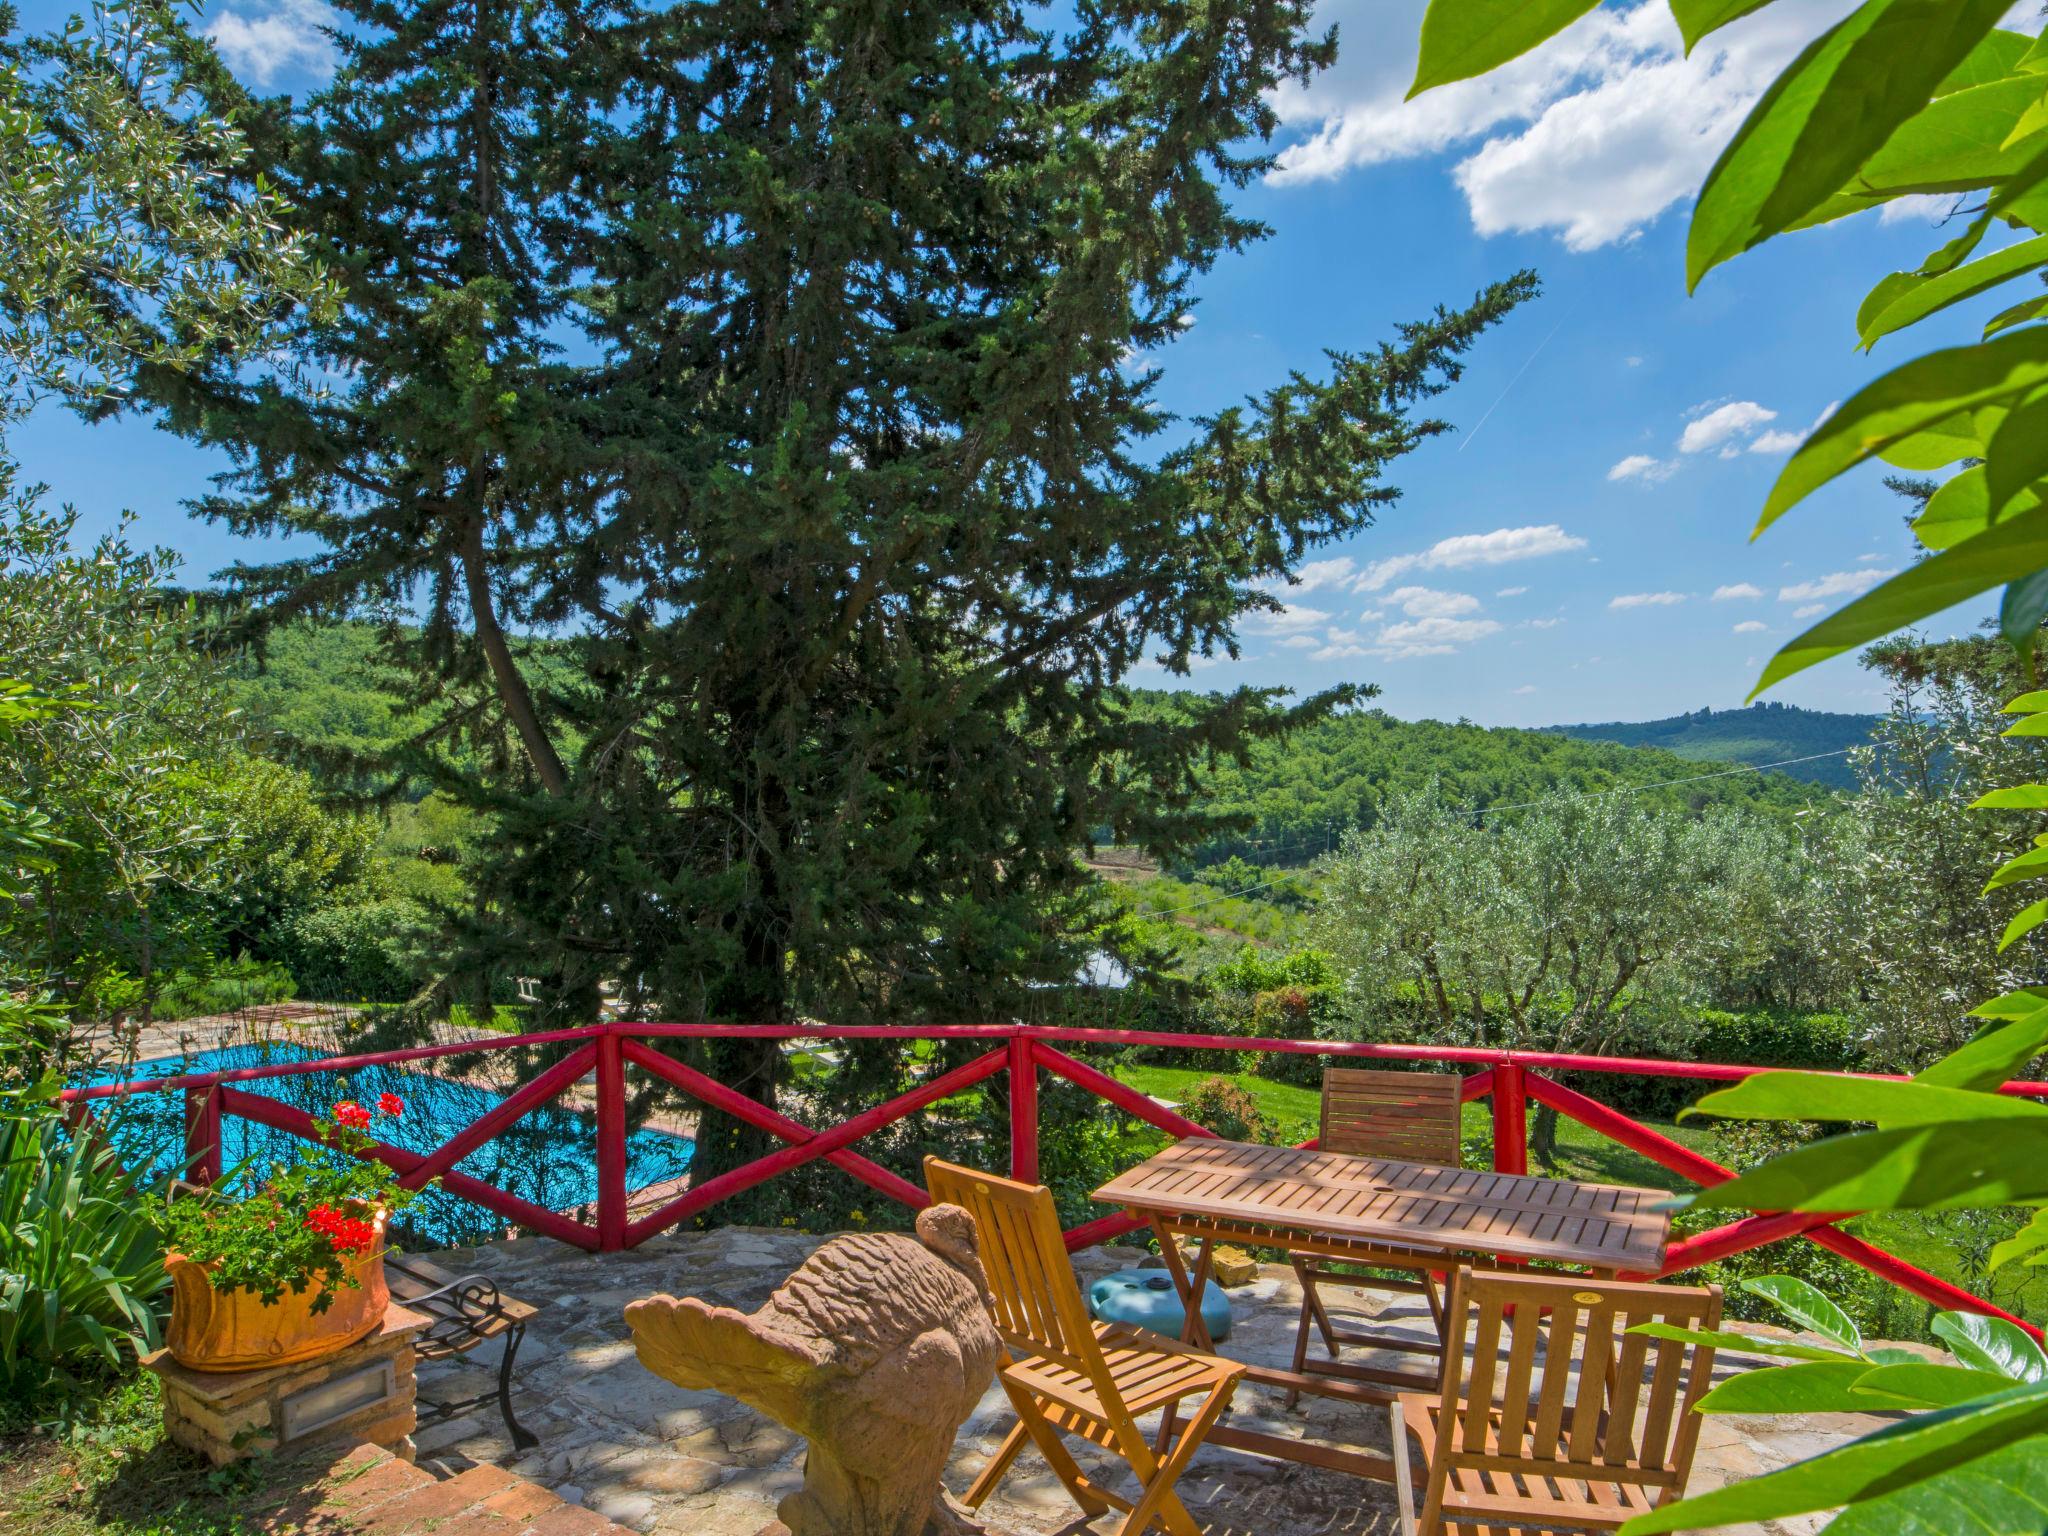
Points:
(778, 360)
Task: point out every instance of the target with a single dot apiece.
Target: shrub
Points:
(356, 953)
(1221, 1106)
(227, 986)
(81, 1266)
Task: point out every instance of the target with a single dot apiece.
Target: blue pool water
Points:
(548, 1156)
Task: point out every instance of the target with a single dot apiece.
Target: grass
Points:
(113, 1472)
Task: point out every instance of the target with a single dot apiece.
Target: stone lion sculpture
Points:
(875, 1351)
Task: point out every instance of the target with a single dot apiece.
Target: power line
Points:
(1596, 794)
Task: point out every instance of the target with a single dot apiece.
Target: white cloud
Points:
(1510, 591)
(1428, 603)
(1920, 208)
(286, 38)
(1737, 590)
(1835, 584)
(1738, 418)
(1499, 547)
(1431, 636)
(1810, 610)
(1591, 135)
(1324, 573)
(1749, 627)
(1338, 652)
(1526, 688)
(1300, 642)
(1289, 619)
(1646, 600)
(1633, 362)
(1545, 623)
(1785, 442)
(1641, 466)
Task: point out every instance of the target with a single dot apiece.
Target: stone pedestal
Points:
(366, 1392)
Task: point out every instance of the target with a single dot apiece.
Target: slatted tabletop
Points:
(1457, 1210)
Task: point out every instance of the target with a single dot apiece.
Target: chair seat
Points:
(1147, 1370)
(1480, 1503)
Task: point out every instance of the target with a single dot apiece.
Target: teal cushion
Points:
(1147, 1299)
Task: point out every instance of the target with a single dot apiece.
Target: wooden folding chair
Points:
(1411, 1117)
(1582, 1426)
(1071, 1375)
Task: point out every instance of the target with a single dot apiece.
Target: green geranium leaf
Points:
(1992, 1344)
(1876, 1464)
(1828, 113)
(2013, 547)
(2003, 1494)
(1463, 38)
(1923, 296)
(1808, 1307)
(1927, 392)
(1949, 1165)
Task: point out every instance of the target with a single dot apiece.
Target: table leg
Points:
(1192, 1330)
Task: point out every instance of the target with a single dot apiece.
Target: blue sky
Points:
(1579, 549)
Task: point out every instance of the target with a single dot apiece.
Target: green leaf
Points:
(2033, 725)
(2021, 797)
(1960, 436)
(1959, 509)
(2029, 1239)
(1878, 1463)
(1992, 1344)
(1881, 1101)
(2014, 547)
(2003, 1494)
(2024, 922)
(1929, 1384)
(1827, 114)
(1696, 18)
(2030, 703)
(1952, 1165)
(1954, 144)
(1808, 1307)
(1463, 38)
(2017, 455)
(1749, 1344)
(1991, 1056)
(1912, 398)
(2023, 1004)
(1814, 1388)
(1996, 57)
(2019, 620)
(2019, 314)
(1924, 296)
(2032, 865)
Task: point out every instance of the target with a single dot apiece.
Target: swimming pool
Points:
(548, 1156)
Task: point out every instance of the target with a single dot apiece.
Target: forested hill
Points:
(1304, 792)
(1762, 733)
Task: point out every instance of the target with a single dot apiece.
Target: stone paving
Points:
(669, 1462)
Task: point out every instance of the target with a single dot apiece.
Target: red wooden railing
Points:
(1511, 1080)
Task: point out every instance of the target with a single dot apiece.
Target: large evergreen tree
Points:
(778, 359)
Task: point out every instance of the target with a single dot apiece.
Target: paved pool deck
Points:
(669, 1462)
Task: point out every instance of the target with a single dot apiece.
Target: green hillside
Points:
(1302, 793)
(1762, 733)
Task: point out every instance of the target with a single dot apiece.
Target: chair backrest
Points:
(1034, 1300)
(1412, 1117)
(1575, 1387)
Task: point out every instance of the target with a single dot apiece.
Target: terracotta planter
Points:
(235, 1330)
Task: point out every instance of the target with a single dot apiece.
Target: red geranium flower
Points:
(351, 1114)
(390, 1104)
(346, 1233)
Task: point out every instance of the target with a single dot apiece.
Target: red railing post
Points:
(611, 1144)
(202, 1135)
(1023, 1109)
(1510, 1118)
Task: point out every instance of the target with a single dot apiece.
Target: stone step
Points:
(370, 1492)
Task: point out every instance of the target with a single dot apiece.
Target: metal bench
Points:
(465, 1310)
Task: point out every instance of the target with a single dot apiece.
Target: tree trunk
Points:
(1543, 1137)
(511, 683)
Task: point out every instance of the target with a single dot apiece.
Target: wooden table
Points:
(1342, 1207)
